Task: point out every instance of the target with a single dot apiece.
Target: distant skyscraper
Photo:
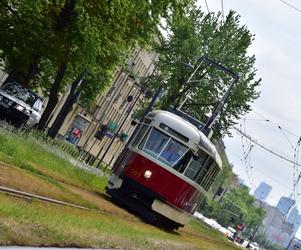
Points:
(276, 229)
(262, 191)
(284, 205)
(294, 217)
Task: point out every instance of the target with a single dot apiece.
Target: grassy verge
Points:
(60, 226)
(32, 223)
(37, 170)
(27, 153)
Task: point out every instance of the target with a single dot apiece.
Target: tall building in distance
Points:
(284, 205)
(294, 216)
(262, 191)
(276, 228)
(281, 222)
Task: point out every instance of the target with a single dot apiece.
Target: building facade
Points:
(284, 205)
(276, 228)
(102, 131)
(262, 191)
(294, 244)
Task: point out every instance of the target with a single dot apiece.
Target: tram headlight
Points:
(147, 174)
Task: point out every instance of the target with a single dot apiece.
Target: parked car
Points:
(20, 106)
(253, 246)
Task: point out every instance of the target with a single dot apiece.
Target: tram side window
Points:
(142, 131)
(195, 166)
(201, 176)
(182, 163)
(210, 176)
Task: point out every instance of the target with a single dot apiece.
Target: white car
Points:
(19, 105)
(253, 246)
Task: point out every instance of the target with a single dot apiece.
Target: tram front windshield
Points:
(163, 147)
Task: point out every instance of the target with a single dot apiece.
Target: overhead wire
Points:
(207, 6)
(295, 162)
(222, 5)
(296, 173)
(246, 153)
(265, 147)
(290, 5)
(289, 142)
(264, 173)
(276, 124)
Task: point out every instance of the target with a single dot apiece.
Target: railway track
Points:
(30, 196)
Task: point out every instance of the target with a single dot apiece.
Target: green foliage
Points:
(42, 35)
(235, 207)
(197, 34)
(28, 152)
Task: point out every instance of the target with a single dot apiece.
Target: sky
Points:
(278, 58)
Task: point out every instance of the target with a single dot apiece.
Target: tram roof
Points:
(196, 137)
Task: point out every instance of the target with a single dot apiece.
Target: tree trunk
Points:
(14, 75)
(67, 107)
(65, 17)
(53, 97)
(32, 70)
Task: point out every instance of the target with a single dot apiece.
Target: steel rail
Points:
(26, 195)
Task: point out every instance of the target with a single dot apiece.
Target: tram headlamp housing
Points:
(147, 174)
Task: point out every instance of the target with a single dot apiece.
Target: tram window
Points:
(196, 166)
(192, 169)
(163, 147)
(209, 178)
(172, 152)
(182, 163)
(201, 176)
(154, 142)
(141, 132)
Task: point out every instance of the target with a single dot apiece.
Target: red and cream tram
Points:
(165, 170)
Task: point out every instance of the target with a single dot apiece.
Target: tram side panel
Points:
(167, 185)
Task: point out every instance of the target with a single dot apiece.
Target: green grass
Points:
(27, 153)
(62, 226)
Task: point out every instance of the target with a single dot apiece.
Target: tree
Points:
(236, 207)
(23, 32)
(197, 34)
(74, 34)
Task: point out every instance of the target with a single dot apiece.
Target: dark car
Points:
(20, 106)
